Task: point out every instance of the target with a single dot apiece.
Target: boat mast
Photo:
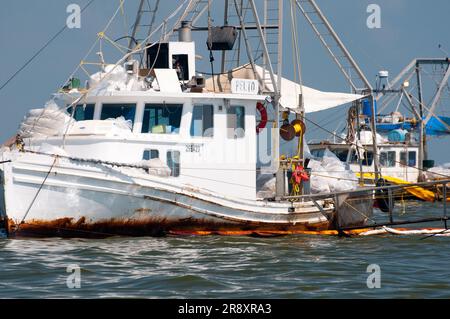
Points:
(422, 135)
(344, 60)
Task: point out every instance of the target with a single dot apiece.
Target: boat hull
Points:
(95, 201)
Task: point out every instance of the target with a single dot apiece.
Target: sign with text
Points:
(244, 86)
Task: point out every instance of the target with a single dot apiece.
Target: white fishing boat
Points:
(152, 147)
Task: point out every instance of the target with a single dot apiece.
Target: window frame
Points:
(150, 154)
(387, 159)
(134, 104)
(147, 108)
(191, 128)
(172, 169)
(340, 151)
(406, 158)
(365, 162)
(84, 106)
(235, 136)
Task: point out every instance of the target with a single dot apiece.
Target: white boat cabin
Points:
(208, 141)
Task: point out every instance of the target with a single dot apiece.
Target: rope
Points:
(36, 195)
(357, 210)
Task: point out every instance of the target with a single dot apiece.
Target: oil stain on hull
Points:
(70, 228)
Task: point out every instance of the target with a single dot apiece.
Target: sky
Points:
(409, 29)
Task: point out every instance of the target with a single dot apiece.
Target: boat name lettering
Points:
(193, 148)
(244, 86)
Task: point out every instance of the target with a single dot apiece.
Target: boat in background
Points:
(400, 146)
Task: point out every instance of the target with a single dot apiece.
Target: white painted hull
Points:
(93, 200)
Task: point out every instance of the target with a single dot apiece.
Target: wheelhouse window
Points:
(162, 118)
(366, 161)
(83, 112)
(113, 111)
(318, 153)
(150, 154)
(408, 158)
(340, 153)
(236, 122)
(173, 161)
(387, 159)
(202, 121)
(181, 66)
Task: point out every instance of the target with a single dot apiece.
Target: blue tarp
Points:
(434, 126)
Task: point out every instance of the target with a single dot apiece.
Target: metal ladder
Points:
(146, 12)
(335, 47)
(270, 16)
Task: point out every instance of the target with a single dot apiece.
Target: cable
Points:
(40, 50)
(232, 70)
(37, 193)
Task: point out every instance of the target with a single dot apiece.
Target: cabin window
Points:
(173, 161)
(83, 112)
(181, 66)
(366, 161)
(202, 121)
(113, 111)
(150, 154)
(236, 122)
(318, 153)
(162, 118)
(387, 159)
(408, 158)
(342, 154)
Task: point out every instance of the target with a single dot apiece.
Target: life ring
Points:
(263, 122)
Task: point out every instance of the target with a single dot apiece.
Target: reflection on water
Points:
(227, 267)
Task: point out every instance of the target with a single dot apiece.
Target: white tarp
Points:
(438, 172)
(51, 120)
(314, 100)
(114, 78)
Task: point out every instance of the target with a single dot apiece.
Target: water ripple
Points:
(221, 267)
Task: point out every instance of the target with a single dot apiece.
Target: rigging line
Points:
(125, 20)
(40, 50)
(112, 18)
(336, 115)
(37, 194)
(358, 211)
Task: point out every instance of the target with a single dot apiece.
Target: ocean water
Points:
(228, 267)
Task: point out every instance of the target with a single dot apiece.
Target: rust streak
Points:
(151, 226)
